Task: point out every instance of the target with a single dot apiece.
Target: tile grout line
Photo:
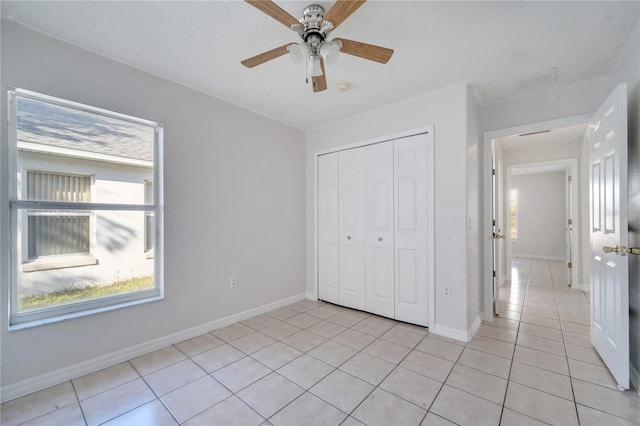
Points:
(84, 418)
(154, 392)
(335, 368)
(442, 387)
(515, 343)
(564, 344)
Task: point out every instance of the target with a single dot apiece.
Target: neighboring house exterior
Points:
(67, 159)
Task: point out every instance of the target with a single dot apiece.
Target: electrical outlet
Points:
(446, 292)
(234, 282)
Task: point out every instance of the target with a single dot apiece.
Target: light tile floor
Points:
(320, 364)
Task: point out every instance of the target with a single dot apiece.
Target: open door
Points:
(496, 233)
(569, 238)
(607, 139)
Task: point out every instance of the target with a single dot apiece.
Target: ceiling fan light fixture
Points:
(313, 66)
(330, 52)
(298, 52)
(316, 51)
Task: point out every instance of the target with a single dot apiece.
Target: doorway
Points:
(542, 213)
(554, 143)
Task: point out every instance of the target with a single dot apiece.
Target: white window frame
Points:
(19, 320)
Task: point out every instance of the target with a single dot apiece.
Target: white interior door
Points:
(497, 236)
(607, 138)
(328, 259)
(351, 225)
(411, 230)
(569, 228)
(379, 229)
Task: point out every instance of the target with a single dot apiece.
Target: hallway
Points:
(556, 376)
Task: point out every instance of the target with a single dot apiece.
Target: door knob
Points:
(348, 237)
(615, 249)
(379, 238)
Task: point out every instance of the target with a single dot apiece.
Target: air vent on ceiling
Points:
(538, 80)
(534, 133)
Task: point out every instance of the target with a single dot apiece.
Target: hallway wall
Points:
(541, 215)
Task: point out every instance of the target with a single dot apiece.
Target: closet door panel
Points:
(379, 257)
(351, 228)
(411, 290)
(328, 260)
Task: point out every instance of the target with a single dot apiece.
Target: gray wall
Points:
(541, 215)
(234, 204)
(446, 109)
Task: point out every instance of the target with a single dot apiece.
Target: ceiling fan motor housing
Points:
(315, 32)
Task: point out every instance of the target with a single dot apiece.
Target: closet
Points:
(373, 227)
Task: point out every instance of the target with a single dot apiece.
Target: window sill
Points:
(45, 264)
(127, 301)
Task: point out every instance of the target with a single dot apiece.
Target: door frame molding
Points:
(487, 139)
(430, 200)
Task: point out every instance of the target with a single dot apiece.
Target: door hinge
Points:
(494, 274)
(570, 222)
(569, 178)
(494, 222)
(570, 265)
(493, 172)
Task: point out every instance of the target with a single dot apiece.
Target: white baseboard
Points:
(311, 296)
(537, 256)
(52, 378)
(474, 327)
(635, 378)
(452, 333)
(581, 286)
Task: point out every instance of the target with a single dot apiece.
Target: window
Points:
(85, 214)
(149, 225)
(57, 232)
(513, 214)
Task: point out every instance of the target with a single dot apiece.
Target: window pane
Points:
(51, 235)
(113, 264)
(149, 231)
(42, 186)
(69, 146)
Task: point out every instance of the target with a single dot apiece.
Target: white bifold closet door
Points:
(378, 218)
(411, 230)
(351, 228)
(328, 253)
(373, 227)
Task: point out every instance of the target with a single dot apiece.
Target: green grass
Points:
(70, 295)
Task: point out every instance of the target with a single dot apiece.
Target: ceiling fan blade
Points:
(320, 82)
(365, 51)
(341, 10)
(275, 11)
(266, 56)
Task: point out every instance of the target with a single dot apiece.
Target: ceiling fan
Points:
(315, 49)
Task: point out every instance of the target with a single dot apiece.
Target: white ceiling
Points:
(201, 44)
(570, 134)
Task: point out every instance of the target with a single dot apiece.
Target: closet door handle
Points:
(379, 238)
(348, 237)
